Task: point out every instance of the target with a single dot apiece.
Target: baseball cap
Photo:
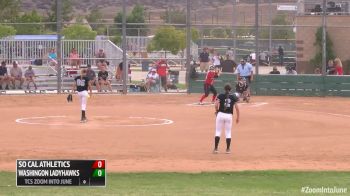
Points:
(15, 62)
(153, 69)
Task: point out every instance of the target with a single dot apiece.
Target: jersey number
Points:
(80, 82)
(227, 103)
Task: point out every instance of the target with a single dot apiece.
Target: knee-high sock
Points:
(217, 140)
(203, 97)
(228, 143)
(213, 99)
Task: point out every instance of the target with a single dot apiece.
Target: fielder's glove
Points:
(70, 98)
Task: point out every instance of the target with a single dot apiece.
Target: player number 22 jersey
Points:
(82, 83)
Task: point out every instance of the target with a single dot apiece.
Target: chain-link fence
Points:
(290, 37)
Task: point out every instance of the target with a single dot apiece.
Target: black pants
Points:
(248, 79)
(209, 88)
(164, 82)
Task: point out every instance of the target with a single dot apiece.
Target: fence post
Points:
(188, 44)
(324, 39)
(125, 65)
(257, 60)
(59, 46)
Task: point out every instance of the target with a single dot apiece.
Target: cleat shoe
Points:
(215, 151)
(83, 120)
(200, 103)
(228, 151)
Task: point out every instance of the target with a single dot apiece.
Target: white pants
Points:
(223, 121)
(83, 96)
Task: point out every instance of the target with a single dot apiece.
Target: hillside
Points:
(153, 7)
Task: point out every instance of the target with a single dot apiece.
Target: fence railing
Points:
(28, 51)
(284, 85)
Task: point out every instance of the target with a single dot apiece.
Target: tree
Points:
(9, 10)
(174, 16)
(67, 10)
(317, 60)
(168, 39)
(117, 39)
(137, 15)
(95, 16)
(79, 32)
(29, 29)
(6, 31)
(279, 32)
(219, 33)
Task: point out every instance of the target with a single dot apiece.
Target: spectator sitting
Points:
(101, 57)
(275, 70)
(317, 71)
(4, 78)
(152, 79)
(291, 71)
(101, 66)
(162, 68)
(331, 68)
(30, 75)
(52, 56)
(119, 72)
(74, 59)
(338, 66)
(103, 79)
(16, 74)
(92, 77)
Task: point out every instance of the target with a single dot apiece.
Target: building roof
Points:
(34, 37)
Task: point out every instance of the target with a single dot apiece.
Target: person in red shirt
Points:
(338, 66)
(162, 68)
(209, 84)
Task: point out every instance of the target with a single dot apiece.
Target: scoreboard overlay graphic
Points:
(61, 173)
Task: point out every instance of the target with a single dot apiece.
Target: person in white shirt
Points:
(29, 75)
(230, 54)
(152, 78)
(216, 60)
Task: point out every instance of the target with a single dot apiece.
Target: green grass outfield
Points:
(253, 183)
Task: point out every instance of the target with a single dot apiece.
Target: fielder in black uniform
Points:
(224, 112)
(82, 85)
